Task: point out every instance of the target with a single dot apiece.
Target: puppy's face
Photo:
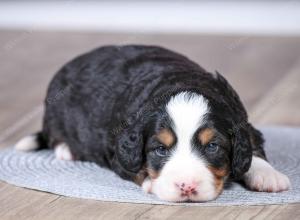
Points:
(188, 151)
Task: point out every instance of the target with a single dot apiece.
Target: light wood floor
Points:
(264, 70)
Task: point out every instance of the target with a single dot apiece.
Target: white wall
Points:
(279, 17)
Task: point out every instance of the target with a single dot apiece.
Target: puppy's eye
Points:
(212, 148)
(161, 151)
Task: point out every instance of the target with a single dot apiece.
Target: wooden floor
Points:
(264, 70)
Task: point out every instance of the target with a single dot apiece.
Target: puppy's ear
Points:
(128, 159)
(241, 145)
(241, 150)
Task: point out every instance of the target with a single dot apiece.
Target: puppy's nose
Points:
(187, 188)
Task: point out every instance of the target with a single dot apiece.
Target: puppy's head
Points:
(187, 150)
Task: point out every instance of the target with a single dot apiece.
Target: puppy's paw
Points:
(264, 178)
(62, 152)
(28, 143)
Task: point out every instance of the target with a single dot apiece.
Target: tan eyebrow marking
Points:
(166, 137)
(206, 135)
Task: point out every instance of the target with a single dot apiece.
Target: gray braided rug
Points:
(41, 171)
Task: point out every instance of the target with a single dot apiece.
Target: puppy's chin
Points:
(166, 192)
(189, 181)
(164, 189)
(186, 177)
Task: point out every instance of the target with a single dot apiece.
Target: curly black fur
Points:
(104, 105)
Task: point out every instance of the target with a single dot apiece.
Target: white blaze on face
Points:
(185, 166)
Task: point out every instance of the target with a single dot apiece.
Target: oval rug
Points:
(41, 171)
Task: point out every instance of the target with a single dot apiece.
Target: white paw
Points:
(27, 143)
(62, 152)
(264, 178)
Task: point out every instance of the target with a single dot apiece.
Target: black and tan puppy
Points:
(157, 118)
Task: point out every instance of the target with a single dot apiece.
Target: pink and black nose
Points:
(187, 189)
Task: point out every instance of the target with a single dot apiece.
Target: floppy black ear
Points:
(241, 151)
(128, 159)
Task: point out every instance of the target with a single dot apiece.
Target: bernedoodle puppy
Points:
(156, 118)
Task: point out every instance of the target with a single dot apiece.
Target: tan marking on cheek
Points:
(219, 183)
(166, 137)
(153, 174)
(140, 176)
(143, 173)
(206, 135)
(219, 174)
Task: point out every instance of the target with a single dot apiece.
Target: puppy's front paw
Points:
(263, 177)
(62, 152)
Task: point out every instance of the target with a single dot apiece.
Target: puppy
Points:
(156, 118)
